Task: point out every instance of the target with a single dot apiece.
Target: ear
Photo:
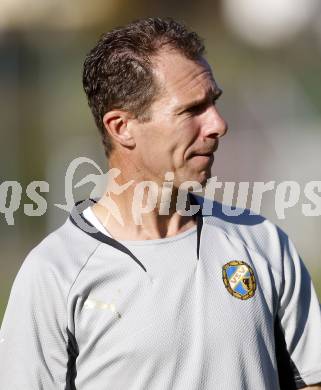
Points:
(116, 123)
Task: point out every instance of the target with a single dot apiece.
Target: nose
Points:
(214, 125)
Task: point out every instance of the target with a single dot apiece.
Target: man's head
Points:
(151, 93)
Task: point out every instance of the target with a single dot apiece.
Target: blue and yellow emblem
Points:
(239, 279)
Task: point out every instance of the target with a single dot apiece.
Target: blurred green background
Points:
(265, 55)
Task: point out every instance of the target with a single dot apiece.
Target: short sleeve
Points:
(33, 339)
(298, 324)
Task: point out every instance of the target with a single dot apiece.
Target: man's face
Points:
(185, 125)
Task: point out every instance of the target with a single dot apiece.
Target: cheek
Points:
(168, 145)
(156, 151)
(184, 142)
(188, 135)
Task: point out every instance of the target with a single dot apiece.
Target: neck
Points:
(132, 210)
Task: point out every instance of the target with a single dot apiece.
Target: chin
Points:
(196, 175)
(203, 180)
(204, 175)
(200, 177)
(200, 174)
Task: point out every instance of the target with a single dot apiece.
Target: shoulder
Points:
(251, 230)
(58, 258)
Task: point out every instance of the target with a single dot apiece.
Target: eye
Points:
(197, 109)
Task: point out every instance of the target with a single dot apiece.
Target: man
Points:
(178, 301)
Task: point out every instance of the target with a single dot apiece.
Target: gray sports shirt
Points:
(227, 304)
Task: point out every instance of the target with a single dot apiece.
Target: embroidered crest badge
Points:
(239, 279)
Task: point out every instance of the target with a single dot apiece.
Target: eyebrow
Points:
(211, 95)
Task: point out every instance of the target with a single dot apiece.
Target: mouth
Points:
(203, 159)
(206, 155)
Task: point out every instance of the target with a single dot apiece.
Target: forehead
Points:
(182, 79)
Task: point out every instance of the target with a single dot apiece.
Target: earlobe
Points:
(116, 123)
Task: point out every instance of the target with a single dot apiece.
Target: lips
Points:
(205, 154)
(202, 159)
